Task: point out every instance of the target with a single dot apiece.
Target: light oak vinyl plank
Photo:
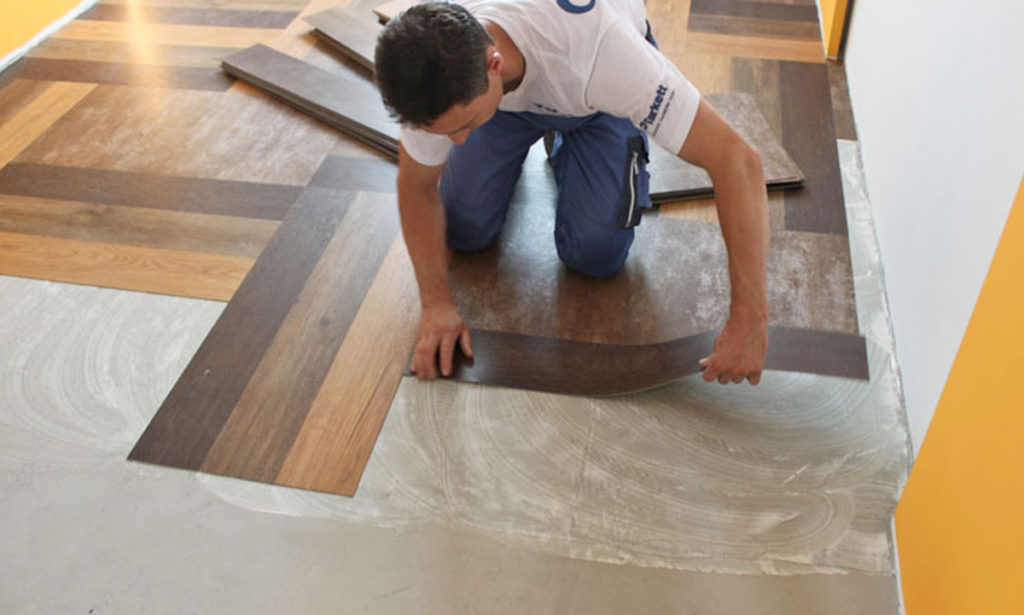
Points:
(755, 47)
(36, 117)
(169, 272)
(339, 432)
(165, 34)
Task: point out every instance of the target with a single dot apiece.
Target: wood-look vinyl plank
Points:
(169, 272)
(755, 27)
(334, 444)
(842, 108)
(187, 133)
(585, 368)
(756, 9)
(760, 79)
(145, 75)
(194, 412)
(388, 10)
(257, 437)
(346, 101)
(711, 73)
(706, 210)
(755, 46)
(669, 21)
(151, 228)
(298, 38)
(350, 32)
(151, 191)
(808, 133)
(241, 18)
(358, 174)
(165, 34)
(673, 179)
(120, 52)
(17, 94)
(36, 117)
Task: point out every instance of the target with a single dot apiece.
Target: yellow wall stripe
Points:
(20, 21)
(960, 523)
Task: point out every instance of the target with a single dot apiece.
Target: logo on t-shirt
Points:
(652, 112)
(576, 6)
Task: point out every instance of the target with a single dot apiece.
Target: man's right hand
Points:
(441, 326)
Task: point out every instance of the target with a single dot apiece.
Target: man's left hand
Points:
(739, 352)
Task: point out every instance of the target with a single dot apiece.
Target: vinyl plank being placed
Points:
(350, 32)
(346, 102)
(169, 272)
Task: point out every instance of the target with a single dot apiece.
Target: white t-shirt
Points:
(579, 61)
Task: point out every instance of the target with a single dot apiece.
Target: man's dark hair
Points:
(430, 58)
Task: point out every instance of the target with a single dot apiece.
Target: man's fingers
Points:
(447, 350)
(424, 362)
(755, 378)
(466, 341)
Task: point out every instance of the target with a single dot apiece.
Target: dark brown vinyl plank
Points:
(752, 26)
(842, 108)
(348, 102)
(808, 134)
(201, 402)
(356, 174)
(267, 418)
(353, 33)
(110, 73)
(673, 179)
(205, 196)
(750, 8)
(591, 369)
(237, 18)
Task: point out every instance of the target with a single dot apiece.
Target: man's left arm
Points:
(742, 201)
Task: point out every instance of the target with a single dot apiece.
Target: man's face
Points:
(456, 123)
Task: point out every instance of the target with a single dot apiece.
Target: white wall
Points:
(938, 96)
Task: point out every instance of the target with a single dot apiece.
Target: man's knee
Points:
(594, 253)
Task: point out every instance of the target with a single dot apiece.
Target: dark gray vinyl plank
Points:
(351, 32)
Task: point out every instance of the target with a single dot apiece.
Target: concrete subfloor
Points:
(693, 499)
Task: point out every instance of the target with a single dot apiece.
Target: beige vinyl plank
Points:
(166, 34)
(36, 117)
(755, 47)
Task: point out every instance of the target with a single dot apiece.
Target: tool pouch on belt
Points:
(636, 182)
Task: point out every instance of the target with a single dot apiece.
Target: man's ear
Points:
(494, 60)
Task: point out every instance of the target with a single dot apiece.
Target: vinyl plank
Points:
(350, 32)
(342, 425)
(705, 210)
(573, 368)
(120, 52)
(169, 272)
(710, 73)
(186, 133)
(297, 39)
(760, 10)
(190, 16)
(674, 179)
(347, 102)
(111, 73)
(755, 46)
(151, 228)
(357, 174)
(842, 109)
(151, 191)
(34, 118)
(755, 27)
(194, 412)
(165, 34)
(808, 133)
(388, 10)
(256, 438)
(17, 95)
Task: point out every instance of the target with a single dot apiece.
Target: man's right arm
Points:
(423, 226)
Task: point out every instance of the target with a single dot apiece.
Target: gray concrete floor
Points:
(690, 499)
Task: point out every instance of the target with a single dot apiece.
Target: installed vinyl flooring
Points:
(117, 173)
